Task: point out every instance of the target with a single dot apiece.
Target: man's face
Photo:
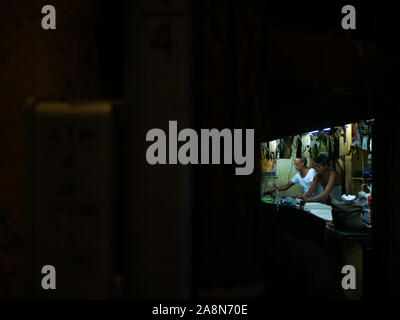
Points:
(298, 164)
(320, 168)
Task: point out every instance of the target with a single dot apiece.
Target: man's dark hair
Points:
(322, 159)
(304, 160)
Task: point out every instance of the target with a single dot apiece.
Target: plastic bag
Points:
(347, 215)
(363, 200)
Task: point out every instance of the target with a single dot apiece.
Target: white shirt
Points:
(306, 181)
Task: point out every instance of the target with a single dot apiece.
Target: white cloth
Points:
(306, 181)
(320, 210)
(348, 197)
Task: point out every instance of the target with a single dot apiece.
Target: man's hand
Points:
(299, 196)
(271, 191)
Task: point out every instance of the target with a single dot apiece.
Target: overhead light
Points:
(315, 131)
(327, 129)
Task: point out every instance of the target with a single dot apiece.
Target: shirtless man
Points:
(328, 178)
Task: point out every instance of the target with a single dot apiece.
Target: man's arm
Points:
(281, 188)
(286, 186)
(328, 189)
(313, 186)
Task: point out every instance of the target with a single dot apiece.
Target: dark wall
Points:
(81, 59)
(230, 92)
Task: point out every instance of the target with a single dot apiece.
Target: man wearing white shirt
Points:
(304, 176)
